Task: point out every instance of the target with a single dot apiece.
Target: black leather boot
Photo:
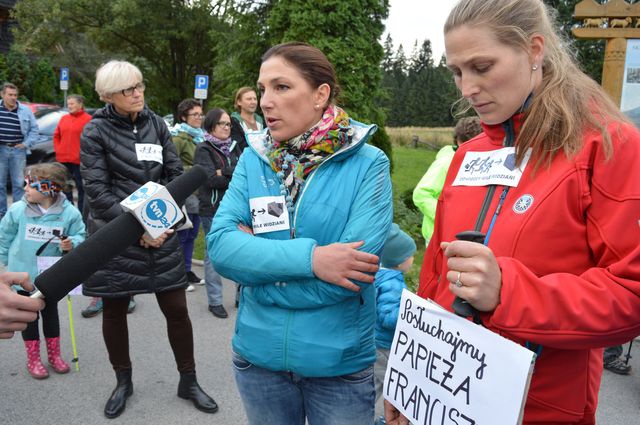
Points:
(118, 400)
(190, 390)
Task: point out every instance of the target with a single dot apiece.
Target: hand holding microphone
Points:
(73, 268)
(15, 310)
(474, 274)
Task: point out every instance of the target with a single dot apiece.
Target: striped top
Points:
(10, 126)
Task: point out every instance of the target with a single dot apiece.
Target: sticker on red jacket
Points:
(491, 167)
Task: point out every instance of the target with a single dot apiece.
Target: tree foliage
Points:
(171, 40)
(417, 92)
(42, 82)
(348, 33)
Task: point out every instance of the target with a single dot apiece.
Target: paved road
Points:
(79, 397)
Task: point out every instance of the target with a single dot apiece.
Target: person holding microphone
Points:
(16, 311)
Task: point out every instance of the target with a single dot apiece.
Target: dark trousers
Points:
(612, 353)
(173, 305)
(74, 170)
(50, 324)
(187, 240)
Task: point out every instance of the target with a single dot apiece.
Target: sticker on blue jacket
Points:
(41, 233)
(269, 214)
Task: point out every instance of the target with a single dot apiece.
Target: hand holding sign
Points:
(476, 268)
(393, 416)
(444, 369)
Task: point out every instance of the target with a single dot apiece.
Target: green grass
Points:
(402, 136)
(409, 166)
(198, 250)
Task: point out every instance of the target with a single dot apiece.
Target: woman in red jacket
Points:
(66, 142)
(553, 187)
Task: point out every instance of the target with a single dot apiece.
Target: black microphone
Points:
(110, 240)
(462, 307)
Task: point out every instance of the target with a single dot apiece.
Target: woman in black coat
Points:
(124, 146)
(218, 155)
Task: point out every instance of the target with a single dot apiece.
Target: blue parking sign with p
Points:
(202, 82)
(64, 74)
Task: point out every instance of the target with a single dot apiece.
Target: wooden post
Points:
(616, 21)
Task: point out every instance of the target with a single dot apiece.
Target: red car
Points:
(35, 107)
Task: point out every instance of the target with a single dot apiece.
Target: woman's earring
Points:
(534, 67)
(317, 106)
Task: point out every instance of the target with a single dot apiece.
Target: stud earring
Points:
(534, 67)
(317, 106)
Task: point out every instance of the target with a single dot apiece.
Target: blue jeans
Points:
(212, 280)
(285, 398)
(12, 163)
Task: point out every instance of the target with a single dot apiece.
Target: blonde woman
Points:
(558, 267)
(124, 146)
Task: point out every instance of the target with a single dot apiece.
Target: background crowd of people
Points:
(297, 210)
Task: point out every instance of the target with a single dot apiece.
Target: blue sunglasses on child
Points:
(46, 187)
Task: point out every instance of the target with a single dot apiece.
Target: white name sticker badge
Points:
(492, 167)
(38, 233)
(269, 214)
(149, 152)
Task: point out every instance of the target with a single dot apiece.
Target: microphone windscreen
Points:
(183, 186)
(110, 240)
(81, 262)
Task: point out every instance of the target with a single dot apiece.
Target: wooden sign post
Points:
(616, 21)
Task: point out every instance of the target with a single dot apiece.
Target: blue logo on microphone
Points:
(159, 210)
(142, 194)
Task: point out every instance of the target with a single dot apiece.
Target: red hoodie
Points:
(570, 260)
(66, 138)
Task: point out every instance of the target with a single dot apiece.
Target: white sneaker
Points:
(190, 288)
(201, 282)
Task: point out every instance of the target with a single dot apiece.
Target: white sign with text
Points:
(497, 167)
(446, 370)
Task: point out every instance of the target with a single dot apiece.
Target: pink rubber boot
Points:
(34, 364)
(53, 351)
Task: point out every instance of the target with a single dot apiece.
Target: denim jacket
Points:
(28, 125)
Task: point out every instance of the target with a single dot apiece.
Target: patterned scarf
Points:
(197, 134)
(296, 158)
(223, 145)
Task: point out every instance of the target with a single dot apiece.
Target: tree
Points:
(387, 60)
(171, 42)
(589, 53)
(240, 49)
(42, 82)
(4, 69)
(18, 71)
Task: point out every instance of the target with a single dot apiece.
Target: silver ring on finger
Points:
(458, 282)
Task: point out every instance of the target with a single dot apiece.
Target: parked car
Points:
(48, 120)
(35, 107)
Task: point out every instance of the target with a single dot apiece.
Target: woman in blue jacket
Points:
(301, 225)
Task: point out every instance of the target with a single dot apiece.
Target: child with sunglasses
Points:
(42, 224)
